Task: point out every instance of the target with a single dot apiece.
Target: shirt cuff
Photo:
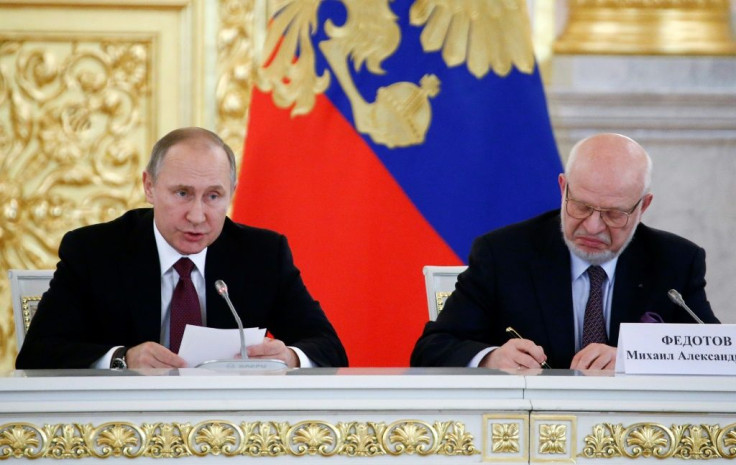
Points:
(103, 363)
(475, 361)
(304, 361)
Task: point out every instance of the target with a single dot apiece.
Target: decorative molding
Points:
(645, 440)
(74, 143)
(441, 297)
(681, 116)
(505, 437)
(28, 305)
(235, 70)
(254, 439)
(645, 27)
(553, 438)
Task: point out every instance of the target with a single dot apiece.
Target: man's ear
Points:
(148, 186)
(646, 201)
(562, 181)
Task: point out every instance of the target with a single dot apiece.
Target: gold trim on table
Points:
(219, 437)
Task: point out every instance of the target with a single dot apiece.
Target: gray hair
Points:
(158, 153)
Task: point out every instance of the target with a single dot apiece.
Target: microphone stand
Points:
(676, 297)
(244, 363)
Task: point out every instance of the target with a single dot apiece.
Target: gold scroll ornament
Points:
(253, 439)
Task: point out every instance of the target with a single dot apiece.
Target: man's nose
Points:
(594, 224)
(195, 214)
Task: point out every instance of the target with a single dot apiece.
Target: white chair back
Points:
(26, 289)
(439, 282)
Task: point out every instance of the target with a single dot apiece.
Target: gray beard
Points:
(595, 258)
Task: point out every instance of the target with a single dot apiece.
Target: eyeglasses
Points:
(612, 217)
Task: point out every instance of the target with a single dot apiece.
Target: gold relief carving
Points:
(313, 438)
(166, 440)
(72, 141)
(491, 35)
(505, 438)
(216, 438)
(28, 309)
(421, 438)
(642, 27)
(22, 440)
(454, 440)
(115, 440)
(441, 297)
(255, 439)
(410, 437)
(362, 439)
(651, 3)
(67, 441)
(552, 439)
(265, 439)
(235, 70)
(690, 442)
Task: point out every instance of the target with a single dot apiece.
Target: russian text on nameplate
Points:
(677, 349)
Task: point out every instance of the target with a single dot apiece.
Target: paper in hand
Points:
(201, 344)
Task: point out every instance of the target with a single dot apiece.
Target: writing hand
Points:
(274, 348)
(595, 357)
(153, 355)
(515, 354)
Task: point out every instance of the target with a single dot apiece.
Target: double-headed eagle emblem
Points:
(482, 34)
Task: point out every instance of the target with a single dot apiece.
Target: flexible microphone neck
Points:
(676, 297)
(222, 290)
(251, 365)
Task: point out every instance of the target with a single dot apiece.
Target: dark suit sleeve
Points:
(298, 320)
(59, 336)
(466, 325)
(694, 290)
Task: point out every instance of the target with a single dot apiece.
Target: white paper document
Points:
(200, 344)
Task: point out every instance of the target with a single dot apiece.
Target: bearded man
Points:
(568, 278)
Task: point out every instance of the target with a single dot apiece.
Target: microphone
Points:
(222, 290)
(245, 363)
(677, 299)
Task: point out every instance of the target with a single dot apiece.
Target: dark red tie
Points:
(594, 324)
(184, 303)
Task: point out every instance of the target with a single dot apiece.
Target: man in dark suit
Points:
(111, 296)
(534, 276)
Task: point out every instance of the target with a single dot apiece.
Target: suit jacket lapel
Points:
(630, 287)
(216, 267)
(553, 288)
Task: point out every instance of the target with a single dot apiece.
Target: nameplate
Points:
(676, 349)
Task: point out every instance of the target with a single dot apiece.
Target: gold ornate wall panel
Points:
(235, 69)
(645, 27)
(85, 90)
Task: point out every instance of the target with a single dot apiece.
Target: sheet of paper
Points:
(200, 344)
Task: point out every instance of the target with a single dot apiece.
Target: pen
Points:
(514, 333)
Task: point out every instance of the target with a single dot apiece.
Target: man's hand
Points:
(153, 355)
(274, 348)
(515, 354)
(595, 357)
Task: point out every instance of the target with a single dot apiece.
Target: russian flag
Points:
(387, 136)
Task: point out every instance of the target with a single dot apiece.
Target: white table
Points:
(371, 416)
